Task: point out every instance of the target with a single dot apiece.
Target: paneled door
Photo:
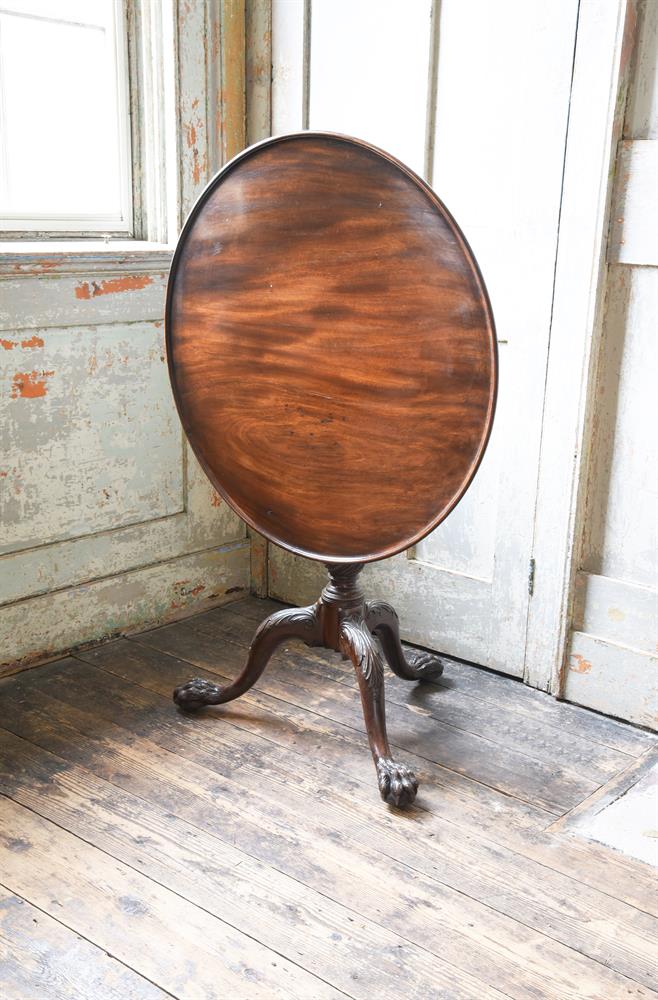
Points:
(475, 97)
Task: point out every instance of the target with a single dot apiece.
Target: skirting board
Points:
(40, 627)
(613, 679)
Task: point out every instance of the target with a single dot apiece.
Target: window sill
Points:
(51, 258)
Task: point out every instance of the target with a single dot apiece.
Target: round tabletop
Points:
(331, 347)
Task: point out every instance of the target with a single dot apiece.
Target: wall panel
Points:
(100, 496)
(368, 73)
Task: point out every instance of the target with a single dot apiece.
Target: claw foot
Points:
(197, 693)
(397, 783)
(428, 666)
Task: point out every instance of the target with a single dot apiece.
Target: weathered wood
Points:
(602, 731)
(54, 259)
(134, 918)
(65, 565)
(608, 793)
(358, 881)
(596, 510)
(97, 296)
(471, 868)
(258, 69)
(641, 112)
(439, 845)
(39, 957)
(258, 563)
(603, 674)
(625, 613)
(98, 332)
(220, 878)
(88, 493)
(505, 820)
(256, 608)
(634, 215)
(281, 725)
(597, 95)
(309, 855)
(111, 604)
(612, 653)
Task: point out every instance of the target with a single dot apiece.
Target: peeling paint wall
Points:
(106, 521)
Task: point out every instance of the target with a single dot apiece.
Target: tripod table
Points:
(332, 354)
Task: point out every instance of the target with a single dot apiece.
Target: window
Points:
(65, 137)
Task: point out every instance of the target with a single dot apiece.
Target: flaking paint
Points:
(579, 665)
(128, 283)
(9, 345)
(30, 385)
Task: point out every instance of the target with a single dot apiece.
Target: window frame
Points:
(142, 94)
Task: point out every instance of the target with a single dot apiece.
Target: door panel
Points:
(494, 88)
(368, 73)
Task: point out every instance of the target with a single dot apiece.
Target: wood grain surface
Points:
(331, 347)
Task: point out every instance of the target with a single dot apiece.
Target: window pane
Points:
(61, 130)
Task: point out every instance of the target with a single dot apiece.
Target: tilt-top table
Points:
(332, 354)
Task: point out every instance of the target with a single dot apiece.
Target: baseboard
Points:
(41, 628)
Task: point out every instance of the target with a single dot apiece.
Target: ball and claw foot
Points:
(427, 666)
(397, 783)
(197, 693)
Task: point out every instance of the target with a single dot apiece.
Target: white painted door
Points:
(475, 98)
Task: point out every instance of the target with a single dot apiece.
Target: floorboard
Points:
(244, 852)
(40, 957)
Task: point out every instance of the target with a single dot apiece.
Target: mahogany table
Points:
(332, 354)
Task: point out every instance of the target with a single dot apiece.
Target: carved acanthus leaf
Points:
(302, 622)
(379, 612)
(357, 644)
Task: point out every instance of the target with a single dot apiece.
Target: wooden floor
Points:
(245, 853)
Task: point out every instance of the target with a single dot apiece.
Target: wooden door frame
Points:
(604, 43)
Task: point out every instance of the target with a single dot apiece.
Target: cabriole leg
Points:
(291, 623)
(410, 664)
(397, 783)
